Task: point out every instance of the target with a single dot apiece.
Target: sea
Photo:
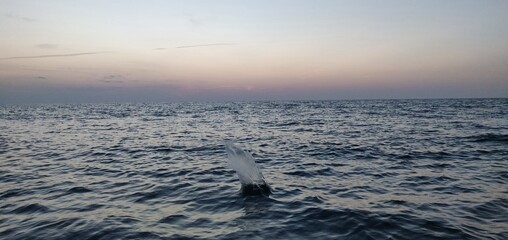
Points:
(346, 169)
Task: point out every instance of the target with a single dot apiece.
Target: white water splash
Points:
(244, 165)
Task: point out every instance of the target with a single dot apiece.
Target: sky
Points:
(145, 51)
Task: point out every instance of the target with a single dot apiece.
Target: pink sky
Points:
(77, 51)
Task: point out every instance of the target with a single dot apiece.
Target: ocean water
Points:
(363, 169)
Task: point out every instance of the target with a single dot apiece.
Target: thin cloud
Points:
(111, 81)
(195, 22)
(113, 78)
(54, 55)
(207, 45)
(26, 19)
(159, 48)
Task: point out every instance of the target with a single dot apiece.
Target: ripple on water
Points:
(78, 190)
(30, 208)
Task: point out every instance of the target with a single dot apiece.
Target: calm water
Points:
(391, 169)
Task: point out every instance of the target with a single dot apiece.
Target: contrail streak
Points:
(54, 55)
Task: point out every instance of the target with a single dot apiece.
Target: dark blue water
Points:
(389, 169)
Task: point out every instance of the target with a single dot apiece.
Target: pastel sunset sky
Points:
(119, 50)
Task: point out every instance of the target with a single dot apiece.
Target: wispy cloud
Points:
(161, 48)
(195, 22)
(207, 45)
(54, 55)
(111, 81)
(14, 16)
(118, 78)
(47, 46)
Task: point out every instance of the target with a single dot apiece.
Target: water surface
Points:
(373, 169)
